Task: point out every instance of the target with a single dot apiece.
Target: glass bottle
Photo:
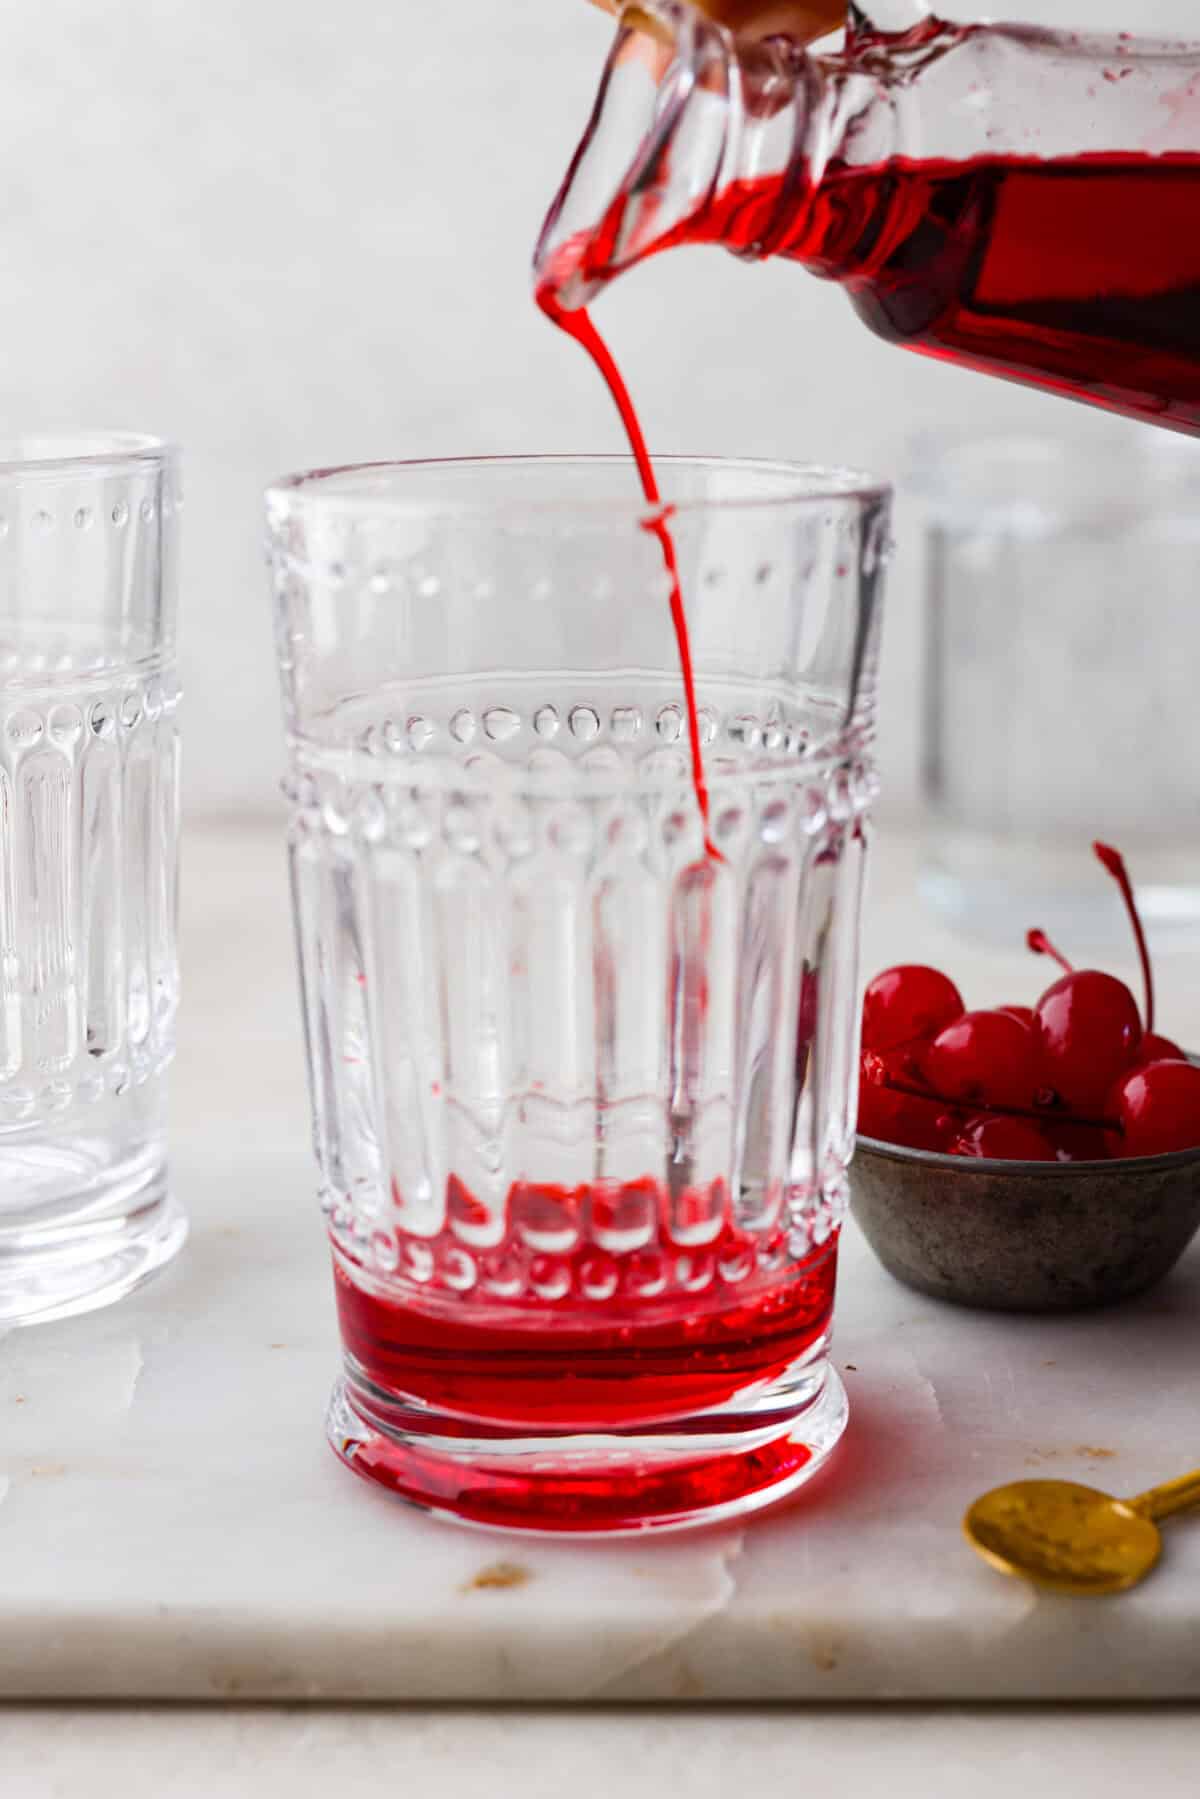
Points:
(1019, 200)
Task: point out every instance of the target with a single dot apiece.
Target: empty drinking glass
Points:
(88, 828)
(582, 1095)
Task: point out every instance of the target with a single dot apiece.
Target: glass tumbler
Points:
(1063, 638)
(583, 1099)
(88, 844)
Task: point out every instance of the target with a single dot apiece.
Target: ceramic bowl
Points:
(1025, 1236)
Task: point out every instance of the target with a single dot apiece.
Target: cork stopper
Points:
(801, 20)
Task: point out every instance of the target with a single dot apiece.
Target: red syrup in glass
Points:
(614, 1498)
(660, 1332)
(1079, 275)
(636, 1341)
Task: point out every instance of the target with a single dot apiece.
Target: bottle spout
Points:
(650, 156)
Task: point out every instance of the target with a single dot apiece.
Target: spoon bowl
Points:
(1063, 1536)
(1071, 1538)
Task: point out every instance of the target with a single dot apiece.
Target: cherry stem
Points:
(1041, 945)
(1114, 862)
(1047, 1115)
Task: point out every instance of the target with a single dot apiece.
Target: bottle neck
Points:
(701, 137)
(695, 137)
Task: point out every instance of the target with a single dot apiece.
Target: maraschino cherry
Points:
(983, 1058)
(1079, 1076)
(907, 1005)
(1003, 1139)
(1088, 1032)
(893, 1108)
(1157, 1106)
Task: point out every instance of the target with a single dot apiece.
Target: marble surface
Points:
(172, 1525)
(707, 1753)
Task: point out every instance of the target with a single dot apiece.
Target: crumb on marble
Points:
(824, 1657)
(48, 1470)
(276, 1345)
(1088, 1452)
(688, 1684)
(851, 1368)
(497, 1576)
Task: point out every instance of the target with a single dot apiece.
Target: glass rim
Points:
(82, 452)
(815, 484)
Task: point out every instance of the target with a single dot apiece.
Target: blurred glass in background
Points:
(1062, 652)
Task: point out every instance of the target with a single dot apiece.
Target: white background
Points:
(286, 233)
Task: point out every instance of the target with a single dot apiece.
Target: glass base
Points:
(75, 1257)
(687, 1473)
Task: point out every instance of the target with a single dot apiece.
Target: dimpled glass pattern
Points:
(571, 1081)
(88, 810)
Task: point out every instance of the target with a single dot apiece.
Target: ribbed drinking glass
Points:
(583, 1097)
(89, 751)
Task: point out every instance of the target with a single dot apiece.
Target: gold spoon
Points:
(1072, 1538)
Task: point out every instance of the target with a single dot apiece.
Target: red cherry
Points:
(1003, 1139)
(1158, 1106)
(1159, 1049)
(904, 1118)
(1078, 1142)
(1088, 1032)
(932, 1133)
(982, 1059)
(1022, 1014)
(903, 1004)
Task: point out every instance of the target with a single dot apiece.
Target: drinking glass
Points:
(88, 830)
(583, 1098)
(1062, 642)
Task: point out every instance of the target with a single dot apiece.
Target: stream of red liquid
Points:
(578, 325)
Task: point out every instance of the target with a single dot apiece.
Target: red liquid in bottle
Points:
(1081, 276)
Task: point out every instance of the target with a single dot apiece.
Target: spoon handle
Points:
(1163, 1502)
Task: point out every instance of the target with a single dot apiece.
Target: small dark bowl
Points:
(1025, 1236)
